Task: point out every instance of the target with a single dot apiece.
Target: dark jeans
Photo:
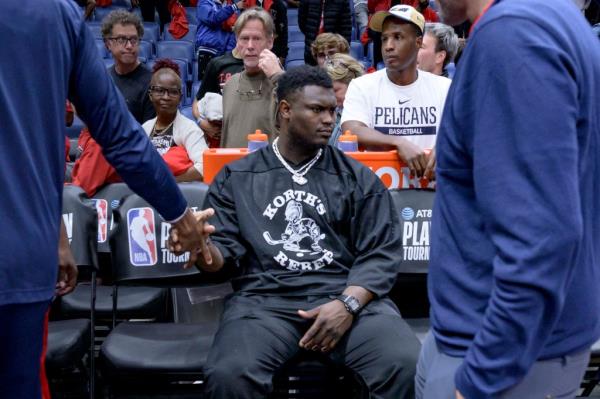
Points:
(258, 334)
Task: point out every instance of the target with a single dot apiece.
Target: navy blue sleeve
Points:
(525, 158)
(124, 143)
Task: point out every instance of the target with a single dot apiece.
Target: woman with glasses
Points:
(341, 68)
(178, 139)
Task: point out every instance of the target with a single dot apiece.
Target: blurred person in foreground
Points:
(515, 268)
(32, 156)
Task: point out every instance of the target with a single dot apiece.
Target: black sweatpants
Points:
(259, 333)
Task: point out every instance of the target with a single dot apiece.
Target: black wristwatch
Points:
(351, 303)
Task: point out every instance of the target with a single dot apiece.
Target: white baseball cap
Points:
(400, 11)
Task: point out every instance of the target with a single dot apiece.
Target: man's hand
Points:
(332, 320)
(190, 234)
(414, 157)
(459, 395)
(430, 170)
(67, 270)
(241, 4)
(269, 63)
(135, 3)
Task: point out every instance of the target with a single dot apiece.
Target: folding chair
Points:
(145, 303)
(138, 356)
(591, 378)
(295, 51)
(71, 341)
(414, 207)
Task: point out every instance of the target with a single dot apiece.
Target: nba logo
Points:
(142, 237)
(102, 211)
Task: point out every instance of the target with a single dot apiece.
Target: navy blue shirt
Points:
(48, 55)
(515, 268)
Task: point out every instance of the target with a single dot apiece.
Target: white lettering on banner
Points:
(416, 253)
(168, 256)
(417, 232)
(68, 220)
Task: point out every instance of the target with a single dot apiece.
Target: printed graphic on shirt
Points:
(299, 242)
(142, 237)
(406, 120)
(102, 211)
(416, 225)
(162, 143)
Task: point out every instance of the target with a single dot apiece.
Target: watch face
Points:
(353, 304)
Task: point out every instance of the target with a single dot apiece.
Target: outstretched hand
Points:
(67, 269)
(332, 320)
(191, 233)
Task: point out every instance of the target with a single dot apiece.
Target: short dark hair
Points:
(122, 17)
(297, 78)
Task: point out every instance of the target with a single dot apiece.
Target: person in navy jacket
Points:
(60, 62)
(515, 267)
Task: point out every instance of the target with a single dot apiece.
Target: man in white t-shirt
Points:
(398, 107)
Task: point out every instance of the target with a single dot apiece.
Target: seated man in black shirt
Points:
(312, 238)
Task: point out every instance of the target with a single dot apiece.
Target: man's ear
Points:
(440, 56)
(419, 42)
(284, 109)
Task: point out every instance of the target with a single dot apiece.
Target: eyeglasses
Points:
(122, 40)
(160, 91)
(250, 93)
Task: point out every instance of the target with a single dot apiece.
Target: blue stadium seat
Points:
(296, 51)
(101, 12)
(151, 32)
(176, 49)
(146, 50)
(294, 34)
(190, 13)
(357, 50)
(187, 112)
(190, 36)
(292, 14)
(291, 64)
(380, 65)
(74, 130)
(195, 88)
(95, 28)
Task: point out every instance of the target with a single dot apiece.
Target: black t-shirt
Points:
(286, 239)
(218, 71)
(134, 88)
